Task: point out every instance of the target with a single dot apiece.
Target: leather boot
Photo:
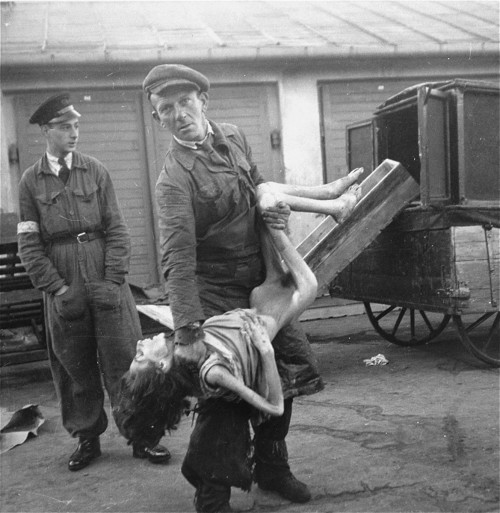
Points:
(156, 454)
(289, 487)
(87, 450)
(273, 473)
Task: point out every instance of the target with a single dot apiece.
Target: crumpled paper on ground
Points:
(380, 359)
(22, 424)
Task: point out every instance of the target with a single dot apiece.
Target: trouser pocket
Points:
(71, 304)
(105, 295)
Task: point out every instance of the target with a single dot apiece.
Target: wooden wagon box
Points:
(446, 134)
(453, 270)
(441, 253)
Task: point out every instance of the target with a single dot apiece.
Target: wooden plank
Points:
(159, 313)
(322, 309)
(394, 189)
(19, 357)
(325, 227)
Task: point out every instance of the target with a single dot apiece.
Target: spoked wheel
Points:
(407, 326)
(481, 337)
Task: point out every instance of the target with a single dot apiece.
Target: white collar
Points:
(54, 165)
(195, 145)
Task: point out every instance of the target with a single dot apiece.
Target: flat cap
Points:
(168, 75)
(56, 109)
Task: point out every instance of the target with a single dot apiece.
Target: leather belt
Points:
(78, 238)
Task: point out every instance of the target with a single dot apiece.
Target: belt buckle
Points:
(82, 237)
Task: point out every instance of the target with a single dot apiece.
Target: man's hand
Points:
(277, 216)
(187, 340)
(186, 336)
(191, 352)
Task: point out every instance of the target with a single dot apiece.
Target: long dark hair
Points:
(152, 401)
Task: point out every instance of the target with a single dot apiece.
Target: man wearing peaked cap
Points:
(56, 109)
(210, 245)
(75, 246)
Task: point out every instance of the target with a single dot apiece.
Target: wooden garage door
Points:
(111, 130)
(344, 103)
(254, 108)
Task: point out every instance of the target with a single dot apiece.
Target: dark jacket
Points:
(86, 204)
(206, 211)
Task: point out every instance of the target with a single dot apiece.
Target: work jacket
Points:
(52, 212)
(207, 216)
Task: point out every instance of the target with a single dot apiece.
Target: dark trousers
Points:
(224, 286)
(219, 455)
(88, 352)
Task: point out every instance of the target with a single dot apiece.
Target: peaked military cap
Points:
(56, 109)
(167, 75)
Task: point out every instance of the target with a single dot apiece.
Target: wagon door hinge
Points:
(491, 268)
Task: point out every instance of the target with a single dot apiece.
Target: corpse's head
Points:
(157, 352)
(154, 389)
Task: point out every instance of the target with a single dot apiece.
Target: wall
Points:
(299, 105)
(9, 172)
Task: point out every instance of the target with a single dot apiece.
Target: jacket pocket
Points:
(53, 212)
(209, 192)
(87, 202)
(105, 295)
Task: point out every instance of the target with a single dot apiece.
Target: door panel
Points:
(434, 144)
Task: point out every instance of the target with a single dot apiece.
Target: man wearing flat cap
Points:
(211, 260)
(75, 247)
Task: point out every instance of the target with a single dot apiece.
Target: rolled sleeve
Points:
(178, 247)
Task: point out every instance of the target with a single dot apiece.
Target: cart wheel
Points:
(422, 328)
(481, 337)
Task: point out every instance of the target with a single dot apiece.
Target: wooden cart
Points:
(438, 258)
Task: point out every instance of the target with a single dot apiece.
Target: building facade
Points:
(292, 75)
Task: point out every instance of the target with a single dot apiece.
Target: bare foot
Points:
(348, 201)
(339, 186)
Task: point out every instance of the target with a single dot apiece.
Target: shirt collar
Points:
(186, 157)
(195, 145)
(54, 165)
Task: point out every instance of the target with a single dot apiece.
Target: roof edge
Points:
(225, 54)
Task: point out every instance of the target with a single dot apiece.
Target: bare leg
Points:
(280, 299)
(320, 192)
(339, 208)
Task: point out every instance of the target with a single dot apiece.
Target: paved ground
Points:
(419, 434)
